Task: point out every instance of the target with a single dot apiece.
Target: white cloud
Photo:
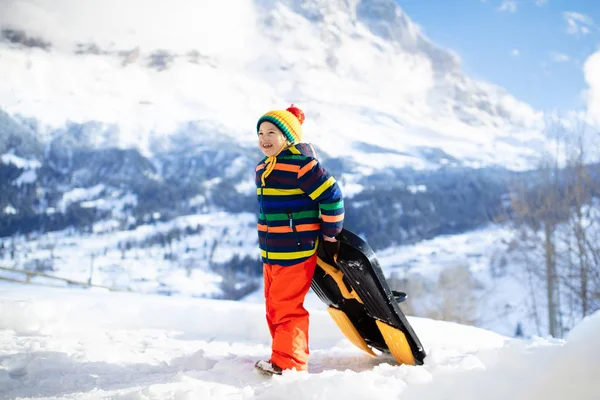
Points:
(540, 3)
(508, 6)
(515, 52)
(578, 23)
(559, 57)
(148, 24)
(591, 71)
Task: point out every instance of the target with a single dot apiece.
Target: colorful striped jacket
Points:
(300, 202)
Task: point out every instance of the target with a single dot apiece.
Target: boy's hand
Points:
(331, 246)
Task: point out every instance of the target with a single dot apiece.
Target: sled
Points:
(349, 280)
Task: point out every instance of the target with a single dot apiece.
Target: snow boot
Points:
(267, 368)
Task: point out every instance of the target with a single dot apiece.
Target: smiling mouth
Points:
(267, 146)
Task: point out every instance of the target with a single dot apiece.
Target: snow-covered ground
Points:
(58, 343)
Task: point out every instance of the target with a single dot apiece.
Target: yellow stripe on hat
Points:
(286, 122)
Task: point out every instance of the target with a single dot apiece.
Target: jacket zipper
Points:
(262, 211)
(293, 227)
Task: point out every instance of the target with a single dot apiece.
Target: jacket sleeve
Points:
(322, 188)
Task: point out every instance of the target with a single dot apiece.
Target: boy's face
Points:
(270, 139)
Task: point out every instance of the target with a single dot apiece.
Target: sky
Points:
(535, 49)
(80, 344)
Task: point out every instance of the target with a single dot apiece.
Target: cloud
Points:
(559, 57)
(149, 24)
(515, 52)
(540, 3)
(508, 6)
(578, 23)
(591, 72)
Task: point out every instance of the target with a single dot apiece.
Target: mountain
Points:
(370, 82)
(153, 106)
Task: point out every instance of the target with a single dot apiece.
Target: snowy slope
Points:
(484, 292)
(71, 344)
(136, 259)
(370, 82)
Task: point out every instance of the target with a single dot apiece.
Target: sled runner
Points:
(349, 280)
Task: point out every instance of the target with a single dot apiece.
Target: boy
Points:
(300, 204)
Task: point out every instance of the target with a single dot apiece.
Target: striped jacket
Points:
(300, 202)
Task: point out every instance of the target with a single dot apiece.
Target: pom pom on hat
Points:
(297, 112)
(288, 121)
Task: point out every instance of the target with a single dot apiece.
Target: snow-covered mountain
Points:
(127, 109)
(374, 88)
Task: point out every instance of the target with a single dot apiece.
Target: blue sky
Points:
(533, 48)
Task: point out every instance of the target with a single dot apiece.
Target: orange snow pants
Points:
(285, 290)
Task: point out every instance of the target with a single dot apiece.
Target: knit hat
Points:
(288, 121)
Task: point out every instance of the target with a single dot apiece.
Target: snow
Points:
(243, 187)
(351, 83)
(19, 162)
(76, 195)
(351, 189)
(10, 210)
(470, 277)
(82, 344)
(147, 259)
(495, 295)
(414, 189)
(116, 202)
(500, 294)
(430, 257)
(29, 175)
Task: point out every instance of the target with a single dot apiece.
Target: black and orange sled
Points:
(349, 280)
